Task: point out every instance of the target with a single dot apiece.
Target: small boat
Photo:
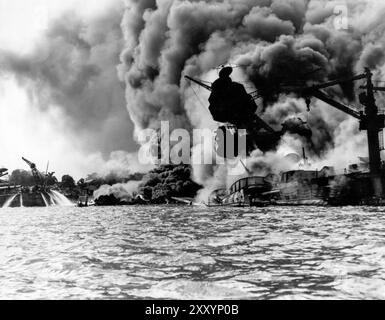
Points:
(83, 201)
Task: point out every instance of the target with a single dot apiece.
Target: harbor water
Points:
(192, 253)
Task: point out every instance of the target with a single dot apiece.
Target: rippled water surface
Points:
(192, 253)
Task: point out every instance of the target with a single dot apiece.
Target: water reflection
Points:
(192, 253)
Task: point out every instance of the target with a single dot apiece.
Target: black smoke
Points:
(167, 181)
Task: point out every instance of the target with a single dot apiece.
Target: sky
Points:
(58, 129)
(22, 22)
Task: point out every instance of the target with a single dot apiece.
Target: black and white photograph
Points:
(192, 150)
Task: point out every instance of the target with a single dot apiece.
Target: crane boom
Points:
(35, 173)
(319, 94)
(335, 82)
(199, 82)
(370, 120)
(374, 88)
(30, 164)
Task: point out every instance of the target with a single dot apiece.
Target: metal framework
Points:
(35, 173)
(254, 95)
(370, 120)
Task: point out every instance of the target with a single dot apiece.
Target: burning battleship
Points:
(362, 184)
(39, 195)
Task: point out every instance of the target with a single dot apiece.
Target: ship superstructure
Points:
(298, 187)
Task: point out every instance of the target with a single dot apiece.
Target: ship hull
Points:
(245, 192)
(24, 199)
(302, 188)
(338, 190)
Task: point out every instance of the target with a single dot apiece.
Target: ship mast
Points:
(370, 120)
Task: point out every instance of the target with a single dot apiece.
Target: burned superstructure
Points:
(41, 179)
(370, 120)
(231, 104)
(235, 108)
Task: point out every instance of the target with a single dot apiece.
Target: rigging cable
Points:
(199, 100)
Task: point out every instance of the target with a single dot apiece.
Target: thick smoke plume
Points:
(73, 68)
(275, 43)
(121, 191)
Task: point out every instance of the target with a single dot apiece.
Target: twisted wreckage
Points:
(361, 184)
(39, 195)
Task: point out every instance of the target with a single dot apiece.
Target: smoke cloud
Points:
(275, 43)
(121, 191)
(73, 68)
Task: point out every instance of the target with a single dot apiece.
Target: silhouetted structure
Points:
(229, 101)
(231, 104)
